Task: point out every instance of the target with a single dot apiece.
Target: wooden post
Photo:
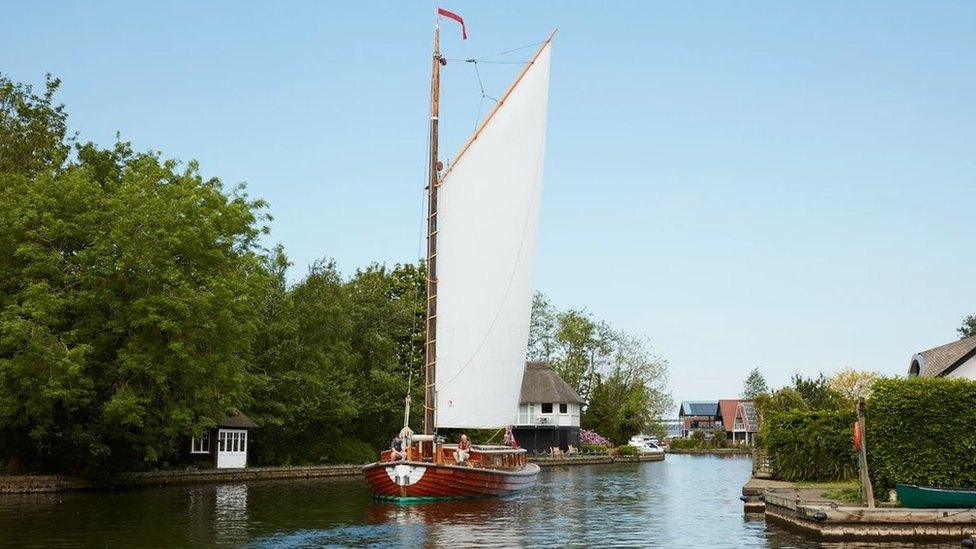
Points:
(430, 342)
(867, 491)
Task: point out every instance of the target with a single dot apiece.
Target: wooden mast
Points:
(430, 343)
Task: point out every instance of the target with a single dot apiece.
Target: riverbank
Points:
(593, 459)
(28, 484)
(712, 451)
(35, 484)
(809, 509)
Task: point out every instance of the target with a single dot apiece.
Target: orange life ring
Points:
(857, 436)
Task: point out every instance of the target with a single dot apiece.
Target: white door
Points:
(231, 448)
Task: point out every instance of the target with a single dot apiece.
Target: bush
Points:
(811, 445)
(348, 452)
(684, 444)
(592, 437)
(626, 450)
(593, 449)
(922, 431)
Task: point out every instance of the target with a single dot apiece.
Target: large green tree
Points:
(632, 394)
(33, 129)
(817, 393)
(334, 363)
(572, 341)
(129, 288)
(754, 385)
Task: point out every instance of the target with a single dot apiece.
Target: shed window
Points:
(200, 445)
(547, 408)
(563, 408)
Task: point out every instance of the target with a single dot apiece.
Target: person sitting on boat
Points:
(463, 451)
(509, 438)
(399, 451)
(401, 445)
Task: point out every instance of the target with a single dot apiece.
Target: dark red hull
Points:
(408, 480)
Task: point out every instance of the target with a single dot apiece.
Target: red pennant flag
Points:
(456, 17)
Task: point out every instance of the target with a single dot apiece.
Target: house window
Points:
(547, 408)
(563, 408)
(200, 445)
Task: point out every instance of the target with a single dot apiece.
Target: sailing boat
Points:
(483, 215)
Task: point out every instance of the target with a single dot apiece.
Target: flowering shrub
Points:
(592, 437)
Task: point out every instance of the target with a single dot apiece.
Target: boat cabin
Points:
(549, 411)
(224, 446)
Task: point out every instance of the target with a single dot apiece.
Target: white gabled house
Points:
(549, 410)
(956, 359)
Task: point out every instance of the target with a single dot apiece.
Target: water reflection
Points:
(686, 501)
(230, 512)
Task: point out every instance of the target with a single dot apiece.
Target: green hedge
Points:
(922, 431)
(685, 444)
(812, 445)
(592, 449)
(626, 450)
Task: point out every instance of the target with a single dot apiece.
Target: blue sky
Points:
(748, 184)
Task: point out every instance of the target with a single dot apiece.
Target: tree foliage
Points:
(33, 129)
(129, 287)
(817, 393)
(624, 384)
(137, 308)
(853, 384)
(754, 385)
(968, 327)
(335, 361)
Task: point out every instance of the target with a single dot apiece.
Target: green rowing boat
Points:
(926, 497)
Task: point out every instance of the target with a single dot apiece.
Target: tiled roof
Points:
(699, 408)
(727, 407)
(935, 362)
(540, 383)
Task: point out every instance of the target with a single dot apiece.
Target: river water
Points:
(685, 501)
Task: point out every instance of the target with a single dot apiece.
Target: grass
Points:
(827, 485)
(844, 494)
(838, 491)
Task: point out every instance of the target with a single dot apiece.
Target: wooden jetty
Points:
(805, 510)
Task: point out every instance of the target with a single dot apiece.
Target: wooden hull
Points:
(920, 497)
(418, 481)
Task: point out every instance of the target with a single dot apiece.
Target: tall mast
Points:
(430, 344)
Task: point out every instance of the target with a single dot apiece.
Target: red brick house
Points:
(698, 415)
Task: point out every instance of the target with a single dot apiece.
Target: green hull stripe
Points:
(418, 499)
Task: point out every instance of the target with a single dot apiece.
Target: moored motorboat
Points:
(645, 444)
(920, 497)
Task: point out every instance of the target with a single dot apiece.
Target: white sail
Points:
(487, 225)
